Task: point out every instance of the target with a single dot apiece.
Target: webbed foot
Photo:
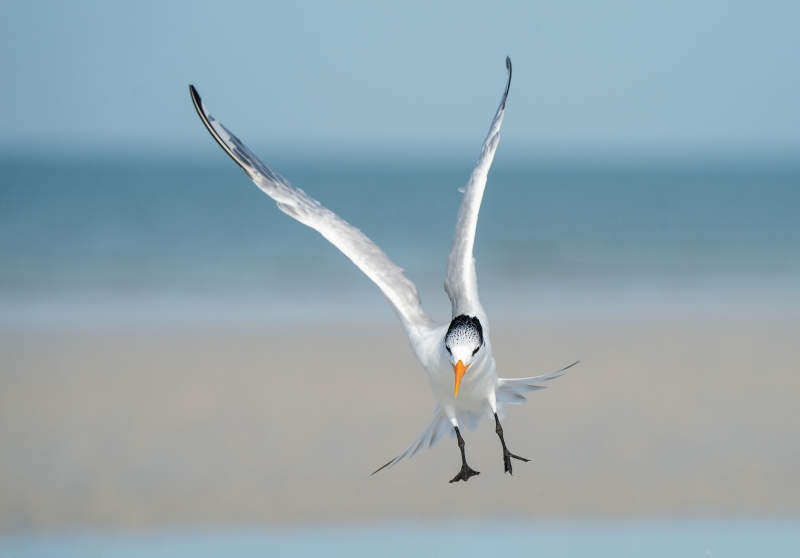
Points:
(507, 455)
(464, 474)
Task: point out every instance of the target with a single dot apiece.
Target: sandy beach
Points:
(166, 427)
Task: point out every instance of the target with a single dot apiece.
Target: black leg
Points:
(465, 472)
(507, 455)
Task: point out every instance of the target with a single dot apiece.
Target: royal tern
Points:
(457, 357)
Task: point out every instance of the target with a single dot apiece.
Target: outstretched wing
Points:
(401, 293)
(461, 283)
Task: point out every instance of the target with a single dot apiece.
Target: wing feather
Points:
(396, 287)
(461, 283)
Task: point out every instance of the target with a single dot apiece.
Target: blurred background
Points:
(186, 370)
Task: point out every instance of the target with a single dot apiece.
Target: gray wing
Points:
(461, 283)
(401, 293)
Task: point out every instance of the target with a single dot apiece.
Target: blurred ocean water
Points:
(85, 240)
(702, 538)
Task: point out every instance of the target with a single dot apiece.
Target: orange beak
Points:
(459, 370)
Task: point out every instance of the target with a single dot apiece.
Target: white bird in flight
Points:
(457, 357)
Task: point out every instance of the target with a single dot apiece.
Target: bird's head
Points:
(463, 343)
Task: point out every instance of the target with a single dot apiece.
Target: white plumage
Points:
(462, 347)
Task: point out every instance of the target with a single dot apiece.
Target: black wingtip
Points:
(508, 83)
(196, 99)
(198, 106)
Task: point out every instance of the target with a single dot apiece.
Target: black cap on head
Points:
(466, 326)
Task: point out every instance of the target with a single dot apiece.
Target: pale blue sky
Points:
(618, 76)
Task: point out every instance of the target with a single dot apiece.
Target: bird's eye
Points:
(448, 349)
(476, 350)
